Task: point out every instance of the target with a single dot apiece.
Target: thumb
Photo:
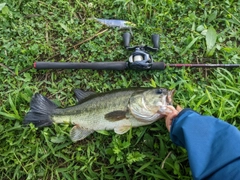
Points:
(179, 108)
(169, 117)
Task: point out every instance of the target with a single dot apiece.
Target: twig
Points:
(95, 35)
(25, 70)
(231, 14)
(198, 63)
(46, 32)
(20, 163)
(78, 44)
(7, 68)
(162, 164)
(41, 2)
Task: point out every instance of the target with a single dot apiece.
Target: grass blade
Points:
(189, 45)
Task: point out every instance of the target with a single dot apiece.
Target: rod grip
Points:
(158, 66)
(120, 65)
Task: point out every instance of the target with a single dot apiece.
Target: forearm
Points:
(212, 144)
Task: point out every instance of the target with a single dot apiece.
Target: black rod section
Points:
(121, 65)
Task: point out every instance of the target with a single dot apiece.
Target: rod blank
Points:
(204, 65)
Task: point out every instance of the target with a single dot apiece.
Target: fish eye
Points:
(159, 91)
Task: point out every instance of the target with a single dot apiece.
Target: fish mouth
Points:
(162, 106)
(146, 111)
(169, 101)
(169, 98)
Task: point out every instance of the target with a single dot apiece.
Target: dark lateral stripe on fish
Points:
(115, 115)
(40, 112)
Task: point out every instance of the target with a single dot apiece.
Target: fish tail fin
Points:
(40, 112)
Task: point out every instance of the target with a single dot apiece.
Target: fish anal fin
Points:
(123, 128)
(78, 133)
(115, 115)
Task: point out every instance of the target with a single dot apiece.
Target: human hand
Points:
(170, 114)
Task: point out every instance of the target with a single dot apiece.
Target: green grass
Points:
(56, 30)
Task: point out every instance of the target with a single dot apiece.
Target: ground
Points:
(65, 31)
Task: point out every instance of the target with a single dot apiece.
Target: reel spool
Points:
(140, 58)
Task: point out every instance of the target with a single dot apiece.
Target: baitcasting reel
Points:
(140, 58)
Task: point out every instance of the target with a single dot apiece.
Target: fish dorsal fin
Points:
(81, 95)
(78, 133)
(115, 115)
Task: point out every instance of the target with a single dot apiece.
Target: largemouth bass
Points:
(117, 110)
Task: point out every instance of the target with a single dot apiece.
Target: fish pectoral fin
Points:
(123, 128)
(78, 133)
(115, 115)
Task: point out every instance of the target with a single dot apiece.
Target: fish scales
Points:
(93, 110)
(117, 100)
(91, 113)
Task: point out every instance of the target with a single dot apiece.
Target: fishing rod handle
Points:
(158, 66)
(121, 65)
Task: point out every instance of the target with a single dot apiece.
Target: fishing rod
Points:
(140, 59)
(122, 65)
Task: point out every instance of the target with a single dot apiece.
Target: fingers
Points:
(171, 108)
(170, 116)
(179, 108)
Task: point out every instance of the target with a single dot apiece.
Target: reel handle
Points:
(155, 41)
(126, 39)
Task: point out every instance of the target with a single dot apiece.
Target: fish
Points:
(122, 24)
(117, 110)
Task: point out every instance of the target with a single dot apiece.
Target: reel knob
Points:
(126, 39)
(155, 41)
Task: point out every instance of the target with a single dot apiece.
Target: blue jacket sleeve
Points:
(213, 145)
